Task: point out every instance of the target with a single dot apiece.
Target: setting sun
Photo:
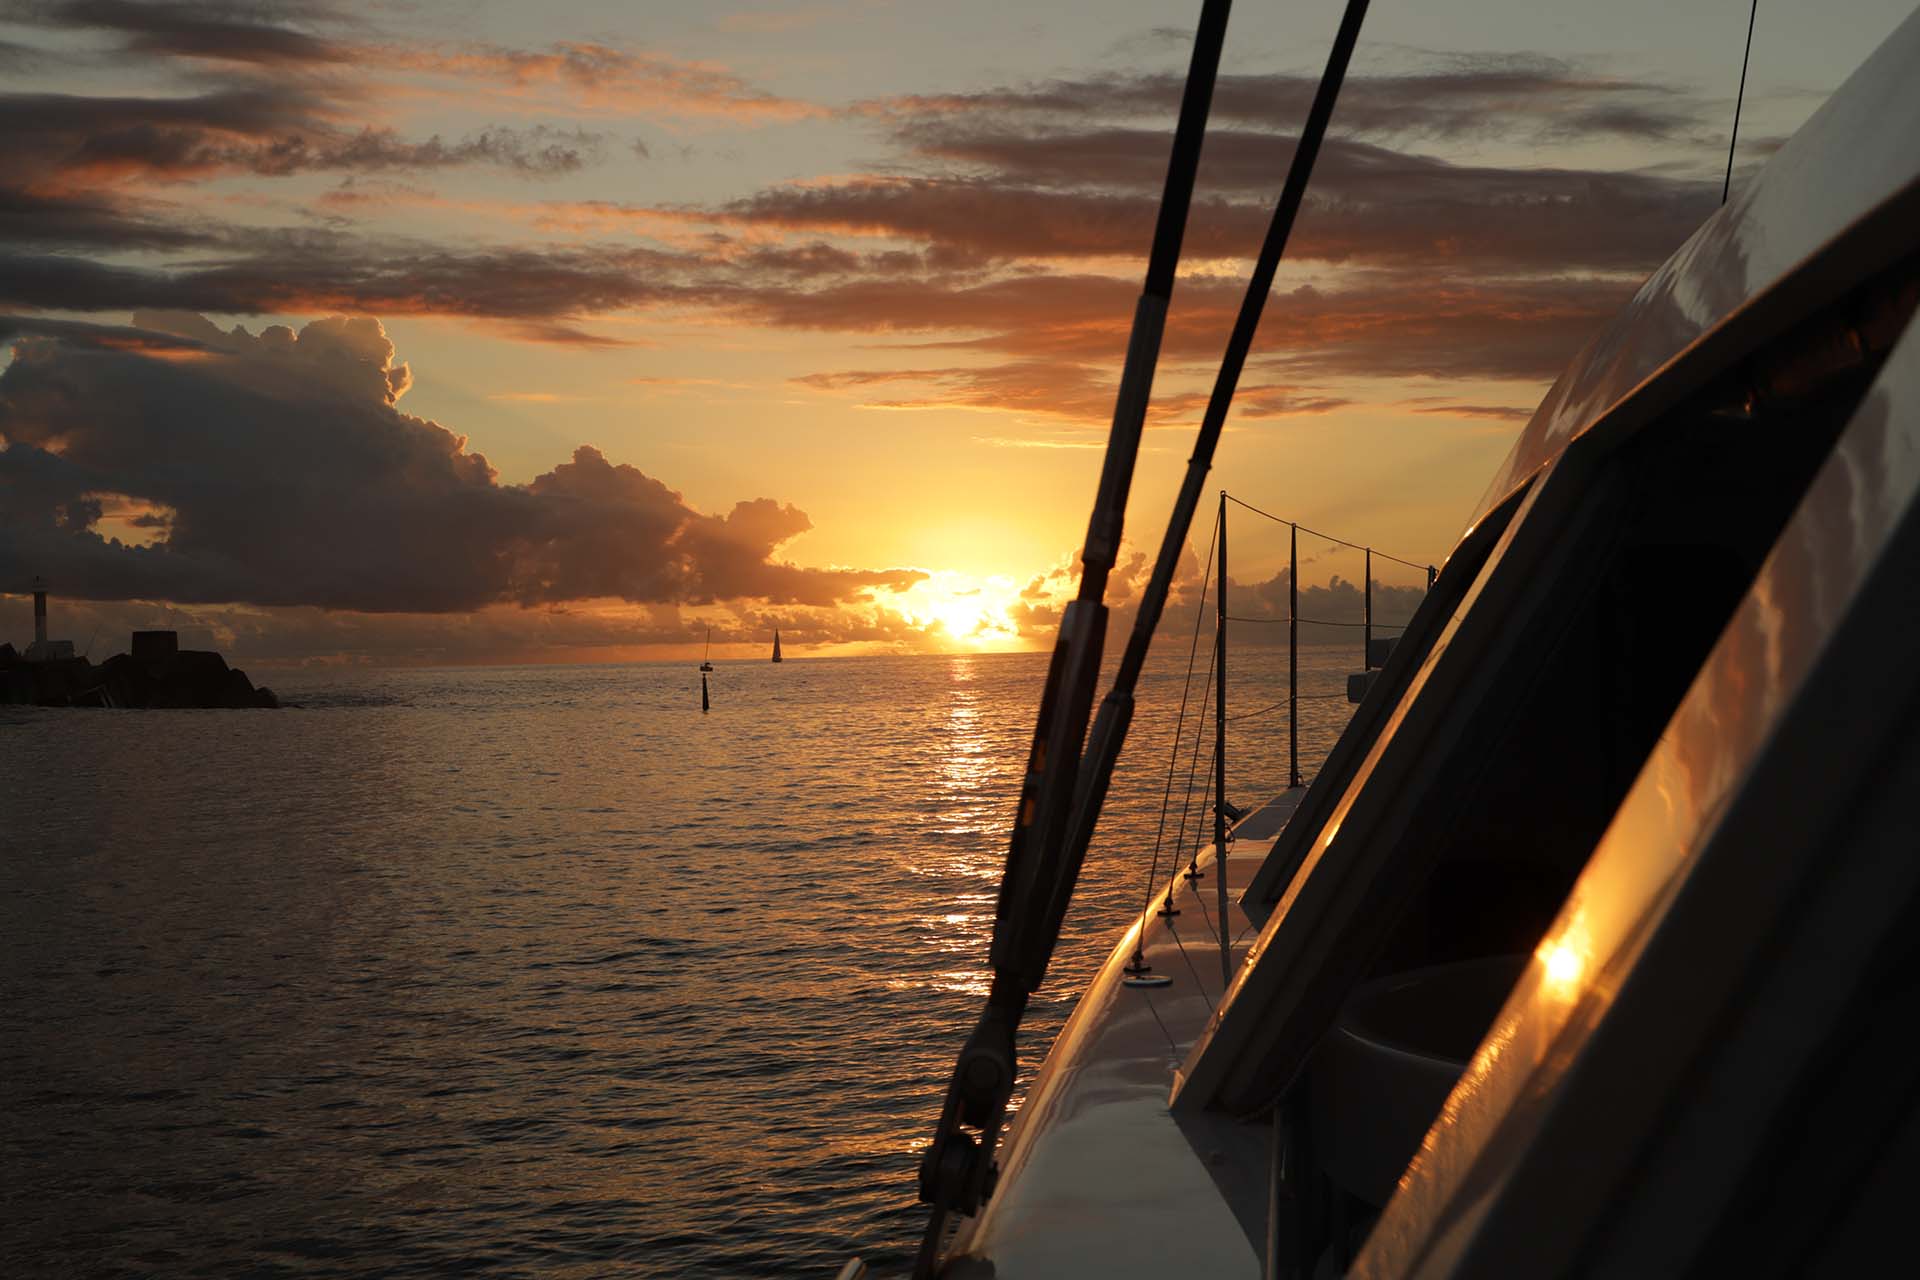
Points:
(971, 613)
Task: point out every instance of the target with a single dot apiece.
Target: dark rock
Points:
(155, 646)
(156, 676)
(56, 683)
(192, 678)
(236, 691)
(131, 683)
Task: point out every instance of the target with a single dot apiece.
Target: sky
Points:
(433, 332)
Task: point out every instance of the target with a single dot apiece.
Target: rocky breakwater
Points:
(157, 673)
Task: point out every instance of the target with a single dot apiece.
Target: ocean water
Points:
(535, 971)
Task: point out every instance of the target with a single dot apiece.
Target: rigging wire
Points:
(1198, 985)
(1753, 11)
(1172, 1048)
(1304, 697)
(1219, 864)
(1173, 755)
(1193, 766)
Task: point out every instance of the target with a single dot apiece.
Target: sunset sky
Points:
(507, 332)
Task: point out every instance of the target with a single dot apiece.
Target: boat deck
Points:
(1095, 1142)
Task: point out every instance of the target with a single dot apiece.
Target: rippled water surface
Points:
(530, 971)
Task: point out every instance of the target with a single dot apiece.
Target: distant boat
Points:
(776, 645)
(704, 664)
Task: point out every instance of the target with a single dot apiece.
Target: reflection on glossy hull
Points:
(1604, 893)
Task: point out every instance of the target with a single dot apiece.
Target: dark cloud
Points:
(1051, 340)
(1471, 96)
(19, 57)
(988, 237)
(278, 469)
(96, 221)
(1058, 339)
(80, 334)
(1073, 195)
(1492, 412)
(279, 35)
(292, 274)
(1387, 324)
(63, 142)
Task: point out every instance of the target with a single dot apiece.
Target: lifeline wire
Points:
(1357, 546)
(1326, 622)
(1197, 984)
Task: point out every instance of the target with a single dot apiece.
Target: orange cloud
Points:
(603, 78)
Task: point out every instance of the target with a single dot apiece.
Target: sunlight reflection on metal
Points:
(1563, 966)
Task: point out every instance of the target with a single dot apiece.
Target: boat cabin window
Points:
(1431, 872)
(1681, 516)
(1422, 630)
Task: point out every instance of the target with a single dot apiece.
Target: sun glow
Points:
(964, 612)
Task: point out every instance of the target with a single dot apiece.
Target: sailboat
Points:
(705, 664)
(776, 645)
(1590, 948)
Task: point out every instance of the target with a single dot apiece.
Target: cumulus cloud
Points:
(285, 473)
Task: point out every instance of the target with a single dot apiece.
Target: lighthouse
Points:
(43, 649)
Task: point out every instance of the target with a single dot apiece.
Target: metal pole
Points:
(1220, 755)
(1293, 655)
(1366, 652)
(1431, 575)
